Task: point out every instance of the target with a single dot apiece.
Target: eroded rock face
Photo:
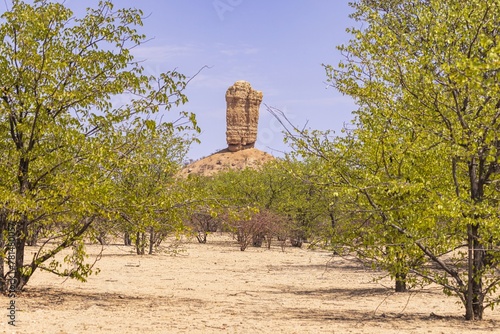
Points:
(242, 116)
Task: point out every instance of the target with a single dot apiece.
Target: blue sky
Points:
(276, 45)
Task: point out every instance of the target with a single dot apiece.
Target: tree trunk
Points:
(21, 229)
(333, 222)
(126, 239)
(476, 251)
(101, 238)
(202, 237)
(475, 296)
(477, 284)
(151, 241)
(143, 243)
(257, 240)
(20, 279)
(3, 282)
(296, 241)
(401, 271)
(3, 237)
(139, 243)
(401, 282)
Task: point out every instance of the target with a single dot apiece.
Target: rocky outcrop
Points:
(242, 116)
(242, 119)
(224, 160)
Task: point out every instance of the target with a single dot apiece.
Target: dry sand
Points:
(216, 288)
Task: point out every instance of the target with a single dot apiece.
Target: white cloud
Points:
(161, 53)
(231, 50)
(209, 81)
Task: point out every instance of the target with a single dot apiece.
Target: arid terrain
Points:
(216, 288)
(224, 160)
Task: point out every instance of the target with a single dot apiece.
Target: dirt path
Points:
(215, 288)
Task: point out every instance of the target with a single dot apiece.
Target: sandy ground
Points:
(216, 288)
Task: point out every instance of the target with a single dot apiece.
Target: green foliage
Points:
(269, 201)
(148, 197)
(418, 174)
(60, 134)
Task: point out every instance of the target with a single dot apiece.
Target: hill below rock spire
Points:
(242, 119)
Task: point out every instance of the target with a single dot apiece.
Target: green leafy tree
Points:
(150, 199)
(308, 200)
(59, 128)
(236, 196)
(425, 75)
(271, 202)
(363, 192)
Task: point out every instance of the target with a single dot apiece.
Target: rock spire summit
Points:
(242, 116)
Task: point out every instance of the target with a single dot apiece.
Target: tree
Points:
(363, 190)
(59, 128)
(237, 197)
(429, 70)
(148, 197)
(270, 202)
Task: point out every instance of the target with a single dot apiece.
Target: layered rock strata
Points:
(242, 116)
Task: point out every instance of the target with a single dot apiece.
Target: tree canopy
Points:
(422, 161)
(61, 135)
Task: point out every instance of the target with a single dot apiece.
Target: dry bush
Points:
(204, 223)
(264, 225)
